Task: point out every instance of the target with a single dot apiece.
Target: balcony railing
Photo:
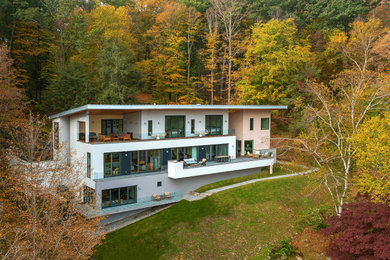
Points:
(129, 137)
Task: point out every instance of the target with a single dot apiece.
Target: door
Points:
(202, 152)
(248, 146)
(166, 156)
(125, 160)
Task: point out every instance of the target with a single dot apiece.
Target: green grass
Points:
(278, 170)
(245, 222)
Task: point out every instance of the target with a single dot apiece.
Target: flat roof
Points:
(90, 107)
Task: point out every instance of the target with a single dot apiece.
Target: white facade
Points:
(173, 176)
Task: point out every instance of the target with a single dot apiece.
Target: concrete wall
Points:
(132, 123)
(240, 121)
(147, 183)
(95, 124)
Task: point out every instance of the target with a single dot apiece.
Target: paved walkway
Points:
(197, 196)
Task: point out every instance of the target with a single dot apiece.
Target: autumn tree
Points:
(11, 98)
(338, 111)
(41, 209)
(211, 50)
(231, 14)
(372, 144)
(275, 61)
(361, 232)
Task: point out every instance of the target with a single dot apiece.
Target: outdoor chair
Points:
(156, 197)
(203, 162)
(106, 138)
(167, 195)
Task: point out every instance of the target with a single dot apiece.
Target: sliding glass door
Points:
(112, 126)
(175, 126)
(214, 124)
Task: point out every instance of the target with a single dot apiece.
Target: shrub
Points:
(361, 232)
(284, 249)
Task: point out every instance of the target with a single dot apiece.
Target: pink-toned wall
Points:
(240, 121)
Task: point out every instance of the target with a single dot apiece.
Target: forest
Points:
(328, 60)
(70, 53)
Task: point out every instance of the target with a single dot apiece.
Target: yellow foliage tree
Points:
(372, 143)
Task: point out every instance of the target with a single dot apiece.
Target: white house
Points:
(132, 152)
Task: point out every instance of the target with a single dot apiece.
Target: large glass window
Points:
(142, 161)
(214, 124)
(111, 164)
(119, 196)
(248, 146)
(89, 165)
(112, 126)
(157, 160)
(251, 124)
(175, 126)
(265, 123)
(134, 162)
(238, 147)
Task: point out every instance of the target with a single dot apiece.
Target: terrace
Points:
(178, 169)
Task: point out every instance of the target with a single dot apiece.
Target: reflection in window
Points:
(214, 124)
(119, 196)
(265, 123)
(175, 126)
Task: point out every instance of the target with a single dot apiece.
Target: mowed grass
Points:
(278, 170)
(239, 223)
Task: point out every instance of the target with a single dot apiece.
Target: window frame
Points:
(212, 122)
(150, 127)
(251, 124)
(268, 123)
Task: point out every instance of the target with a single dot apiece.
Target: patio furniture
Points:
(100, 137)
(92, 136)
(150, 166)
(203, 162)
(106, 138)
(156, 197)
(189, 162)
(222, 158)
(167, 195)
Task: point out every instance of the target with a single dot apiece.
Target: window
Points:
(89, 165)
(216, 150)
(265, 123)
(192, 126)
(88, 194)
(248, 146)
(214, 124)
(238, 147)
(112, 126)
(159, 184)
(56, 135)
(175, 126)
(251, 124)
(119, 196)
(111, 164)
(150, 127)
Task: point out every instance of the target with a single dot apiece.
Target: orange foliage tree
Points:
(40, 201)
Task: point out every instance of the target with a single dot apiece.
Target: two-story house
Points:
(132, 152)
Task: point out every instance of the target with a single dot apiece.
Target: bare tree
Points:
(338, 111)
(231, 14)
(41, 202)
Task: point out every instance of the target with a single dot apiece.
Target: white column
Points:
(87, 128)
(271, 168)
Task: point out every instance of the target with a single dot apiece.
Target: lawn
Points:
(279, 169)
(239, 223)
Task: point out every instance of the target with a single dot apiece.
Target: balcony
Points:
(140, 137)
(177, 170)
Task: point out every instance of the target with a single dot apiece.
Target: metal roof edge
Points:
(148, 107)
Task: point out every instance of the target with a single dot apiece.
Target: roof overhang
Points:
(132, 108)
